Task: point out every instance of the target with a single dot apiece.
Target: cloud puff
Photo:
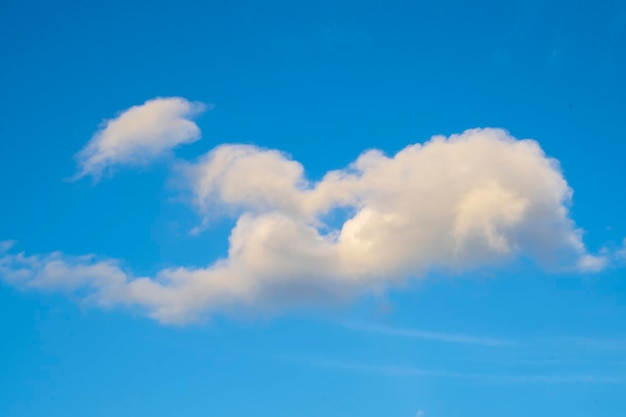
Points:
(480, 198)
(140, 134)
(621, 252)
(5, 245)
(466, 200)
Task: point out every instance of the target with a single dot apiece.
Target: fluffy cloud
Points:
(140, 134)
(476, 199)
(454, 202)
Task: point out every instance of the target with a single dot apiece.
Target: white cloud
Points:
(476, 199)
(454, 338)
(140, 134)
(497, 378)
(592, 263)
(473, 198)
(5, 245)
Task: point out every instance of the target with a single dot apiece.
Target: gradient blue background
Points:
(321, 80)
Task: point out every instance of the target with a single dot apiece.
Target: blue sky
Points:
(451, 296)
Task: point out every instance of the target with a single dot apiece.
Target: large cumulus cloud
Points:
(480, 198)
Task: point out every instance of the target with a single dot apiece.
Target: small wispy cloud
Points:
(595, 343)
(494, 378)
(592, 263)
(140, 134)
(5, 245)
(456, 338)
(621, 252)
(388, 370)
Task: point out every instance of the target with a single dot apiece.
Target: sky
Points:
(234, 208)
